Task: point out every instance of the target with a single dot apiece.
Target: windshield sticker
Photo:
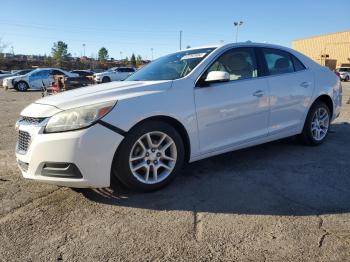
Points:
(191, 56)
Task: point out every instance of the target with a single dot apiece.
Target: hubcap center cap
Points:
(152, 156)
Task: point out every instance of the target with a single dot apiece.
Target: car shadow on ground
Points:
(278, 178)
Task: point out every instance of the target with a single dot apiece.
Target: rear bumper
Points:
(90, 150)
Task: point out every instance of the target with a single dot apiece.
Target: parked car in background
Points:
(98, 70)
(14, 73)
(344, 73)
(114, 74)
(36, 79)
(83, 72)
(182, 107)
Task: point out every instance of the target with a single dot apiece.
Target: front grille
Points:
(23, 141)
(30, 120)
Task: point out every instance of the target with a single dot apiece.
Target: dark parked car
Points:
(83, 72)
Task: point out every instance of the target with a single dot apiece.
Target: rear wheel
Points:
(347, 79)
(21, 86)
(149, 157)
(317, 124)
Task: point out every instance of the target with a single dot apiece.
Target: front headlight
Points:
(78, 118)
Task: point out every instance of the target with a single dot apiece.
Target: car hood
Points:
(103, 73)
(13, 77)
(113, 91)
(6, 76)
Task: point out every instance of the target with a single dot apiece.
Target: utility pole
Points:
(121, 55)
(152, 53)
(180, 39)
(237, 25)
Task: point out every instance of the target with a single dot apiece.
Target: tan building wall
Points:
(332, 50)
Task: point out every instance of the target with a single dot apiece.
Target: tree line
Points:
(60, 55)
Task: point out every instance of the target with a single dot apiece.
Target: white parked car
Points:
(35, 79)
(114, 74)
(14, 73)
(182, 107)
(344, 73)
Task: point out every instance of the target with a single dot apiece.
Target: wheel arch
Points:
(174, 123)
(327, 100)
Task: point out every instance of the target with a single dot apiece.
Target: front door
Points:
(234, 112)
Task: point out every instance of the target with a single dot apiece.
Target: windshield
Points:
(172, 66)
(344, 69)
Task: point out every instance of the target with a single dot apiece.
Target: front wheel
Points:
(149, 157)
(21, 86)
(317, 124)
(106, 79)
(347, 79)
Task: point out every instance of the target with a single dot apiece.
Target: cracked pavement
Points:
(280, 201)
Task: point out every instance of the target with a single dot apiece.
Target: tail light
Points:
(337, 73)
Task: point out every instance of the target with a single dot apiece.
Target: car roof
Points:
(240, 44)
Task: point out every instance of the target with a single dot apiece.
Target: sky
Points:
(126, 27)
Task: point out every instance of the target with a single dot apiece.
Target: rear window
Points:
(298, 66)
(281, 62)
(278, 62)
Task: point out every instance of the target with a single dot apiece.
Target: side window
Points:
(119, 70)
(298, 66)
(278, 62)
(57, 72)
(240, 63)
(41, 74)
(35, 74)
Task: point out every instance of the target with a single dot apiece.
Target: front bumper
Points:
(91, 150)
(7, 84)
(98, 80)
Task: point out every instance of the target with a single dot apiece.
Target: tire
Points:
(21, 86)
(308, 136)
(347, 79)
(106, 79)
(152, 164)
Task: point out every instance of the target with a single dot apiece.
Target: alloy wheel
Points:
(153, 157)
(320, 124)
(21, 86)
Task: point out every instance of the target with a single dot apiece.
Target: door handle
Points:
(258, 93)
(305, 84)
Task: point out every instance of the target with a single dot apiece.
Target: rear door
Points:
(291, 86)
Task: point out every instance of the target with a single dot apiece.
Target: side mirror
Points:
(217, 76)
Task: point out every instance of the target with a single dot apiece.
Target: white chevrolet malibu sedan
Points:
(182, 107)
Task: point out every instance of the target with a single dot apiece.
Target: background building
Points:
(332, 50)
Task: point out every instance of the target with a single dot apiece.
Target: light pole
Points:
(152, 53)
(180, 39)
(84, 48)
(121, 55)
(237, 25)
